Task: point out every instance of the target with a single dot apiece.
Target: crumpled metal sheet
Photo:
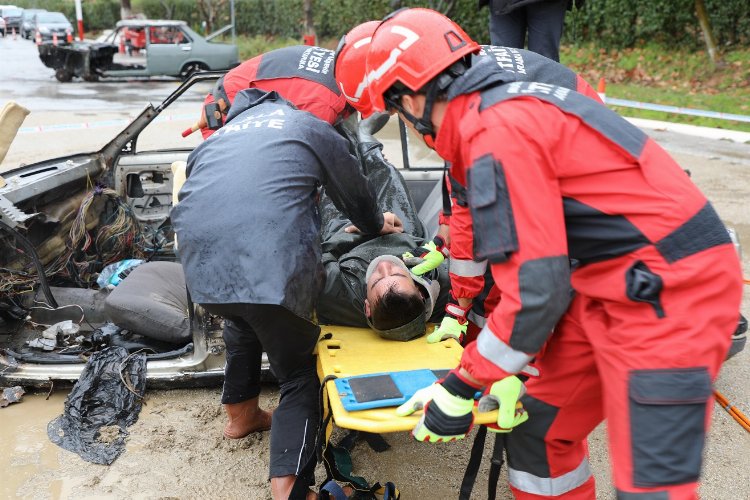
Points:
(104, 402)
(11, 395)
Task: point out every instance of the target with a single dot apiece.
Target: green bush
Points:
(607, 23)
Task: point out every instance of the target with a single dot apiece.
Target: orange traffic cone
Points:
(54, 39)
(69, 37)
(601, 89)
(38, 38)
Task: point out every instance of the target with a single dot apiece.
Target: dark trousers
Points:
(542, 20)
(288, 340)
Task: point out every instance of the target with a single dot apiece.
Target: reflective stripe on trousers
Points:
(550, 486)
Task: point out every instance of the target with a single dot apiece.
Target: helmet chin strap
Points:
(424, 124)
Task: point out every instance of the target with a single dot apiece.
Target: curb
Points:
(693, 130)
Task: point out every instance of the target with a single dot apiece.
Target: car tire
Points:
(192, 67)
(63, 75)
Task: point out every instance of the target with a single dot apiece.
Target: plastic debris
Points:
(112, 274)
(66, 327)
(103, 403)
(42, 343)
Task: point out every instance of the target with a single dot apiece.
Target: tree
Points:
(126, 12)
(309, 23)
(708, 34)
(210, 10)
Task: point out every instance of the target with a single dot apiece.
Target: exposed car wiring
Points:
(31, 253)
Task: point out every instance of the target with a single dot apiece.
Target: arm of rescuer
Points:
(515, 181)
(349, 189)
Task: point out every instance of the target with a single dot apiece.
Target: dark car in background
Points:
(27, 22)
(48, 24)
(12, 16)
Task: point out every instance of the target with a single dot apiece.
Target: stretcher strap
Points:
(472, 468)
(475, 460)
(496, 464)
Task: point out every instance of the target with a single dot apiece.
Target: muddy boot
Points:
(244, 418)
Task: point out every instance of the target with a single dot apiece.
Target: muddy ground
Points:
(176, 449)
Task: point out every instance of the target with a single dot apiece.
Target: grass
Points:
(672, 77)
(648, 73)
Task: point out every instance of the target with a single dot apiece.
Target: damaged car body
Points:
(49, 262)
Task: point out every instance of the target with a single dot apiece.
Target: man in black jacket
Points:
(249, 230)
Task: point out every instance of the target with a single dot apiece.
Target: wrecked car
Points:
(140, 48)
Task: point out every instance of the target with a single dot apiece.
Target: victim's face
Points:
(385, 273)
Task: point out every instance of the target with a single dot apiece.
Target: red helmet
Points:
(351, 56)
(412, 46)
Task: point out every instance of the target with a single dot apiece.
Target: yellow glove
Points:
(504, 396)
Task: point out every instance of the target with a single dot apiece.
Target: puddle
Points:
(27, 452)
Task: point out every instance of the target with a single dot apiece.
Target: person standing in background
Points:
(542, 20)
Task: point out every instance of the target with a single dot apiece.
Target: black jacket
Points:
(346, 255)
(247, 222)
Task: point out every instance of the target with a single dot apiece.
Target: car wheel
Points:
(63, 75)
(193, 67)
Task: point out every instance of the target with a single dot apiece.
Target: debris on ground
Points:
(104, 402)
(11, 395)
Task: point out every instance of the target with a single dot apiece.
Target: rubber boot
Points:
(244, 418)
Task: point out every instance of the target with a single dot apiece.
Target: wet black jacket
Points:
(346, 255)
(247, 221)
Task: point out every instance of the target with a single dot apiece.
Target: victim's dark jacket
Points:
(346, 255)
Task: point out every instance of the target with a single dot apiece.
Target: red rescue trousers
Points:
(650, 377)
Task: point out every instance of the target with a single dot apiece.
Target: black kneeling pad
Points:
(152, 301)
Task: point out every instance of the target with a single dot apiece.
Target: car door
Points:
(169, 49)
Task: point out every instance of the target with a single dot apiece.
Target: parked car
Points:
(140, 48)
(27, 22)
(12, 16)
(49, 24)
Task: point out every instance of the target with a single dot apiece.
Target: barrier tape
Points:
(612, 101)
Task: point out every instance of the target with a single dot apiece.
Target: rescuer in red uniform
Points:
(564, 194)
(472, 292)
(300, 73)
